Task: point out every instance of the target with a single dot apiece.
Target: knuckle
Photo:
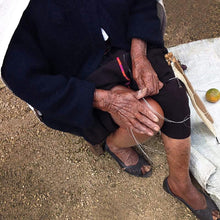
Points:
(136, 115)
(132, 122)
(142, 108)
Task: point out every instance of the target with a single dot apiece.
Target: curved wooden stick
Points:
(195, 99)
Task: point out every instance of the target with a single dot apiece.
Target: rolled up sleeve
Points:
(144, 22)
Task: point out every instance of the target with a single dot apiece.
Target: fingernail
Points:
(144, 131)
(156, 128)
(141, 91)
(156, 119)
(150, 133)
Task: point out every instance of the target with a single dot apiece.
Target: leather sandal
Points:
(202, 214)
(133, 169)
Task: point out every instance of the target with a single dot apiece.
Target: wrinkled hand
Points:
(145, 76)
(128, 110)
(143, 72)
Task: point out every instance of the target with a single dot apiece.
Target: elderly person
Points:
(86, 65)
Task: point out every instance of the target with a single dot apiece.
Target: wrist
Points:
(138, 49)
(138, 59)
(102, 99)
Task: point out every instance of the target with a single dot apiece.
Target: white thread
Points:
(164, 118)
(172, 78)
(140, 147)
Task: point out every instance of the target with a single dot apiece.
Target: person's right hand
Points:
(128, 110)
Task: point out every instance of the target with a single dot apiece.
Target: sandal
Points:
(134, 169)
(202, 214)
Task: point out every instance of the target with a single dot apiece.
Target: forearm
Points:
(143, 72)
(138, 52)
(138, 48)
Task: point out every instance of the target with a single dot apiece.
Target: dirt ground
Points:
(46, 174)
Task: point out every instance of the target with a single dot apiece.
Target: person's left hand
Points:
(145, 76)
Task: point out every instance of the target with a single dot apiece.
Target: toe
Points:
(145, 169)
(215, 215)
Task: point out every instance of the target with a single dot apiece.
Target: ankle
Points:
(188, 192)
(183, 185)
(111, 143)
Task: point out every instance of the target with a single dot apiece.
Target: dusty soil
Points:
(46, 174)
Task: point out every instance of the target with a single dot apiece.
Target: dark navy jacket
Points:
(58, 43)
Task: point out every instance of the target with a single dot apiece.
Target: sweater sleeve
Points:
(144, 22)
(66, 103)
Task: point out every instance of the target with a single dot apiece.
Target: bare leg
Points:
(121, 141)
(178, 156)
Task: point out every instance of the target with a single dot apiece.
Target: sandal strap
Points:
(106, 148)
(206, 213)
(133, 169)
(202, 214)
(136, 169)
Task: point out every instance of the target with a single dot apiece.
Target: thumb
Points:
(141, 93)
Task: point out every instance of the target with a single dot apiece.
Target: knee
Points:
(153, 104)
(156, 109)
(176, 104)
(176, 93)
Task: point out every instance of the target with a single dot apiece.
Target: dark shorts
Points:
(172, 97)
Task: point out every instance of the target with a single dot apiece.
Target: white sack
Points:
(203, 61)
(10, 14)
